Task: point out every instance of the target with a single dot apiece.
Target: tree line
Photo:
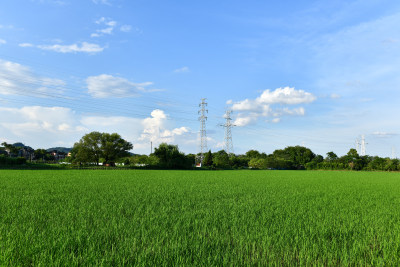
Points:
(107, 149)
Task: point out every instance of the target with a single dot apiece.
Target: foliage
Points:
(4, 160)
(221, 159)
(170, 157)
(95, 145)
(208, 159)
(12, 150)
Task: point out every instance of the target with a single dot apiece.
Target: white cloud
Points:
(104, 2)
(287, 96)
(182, 70)
(155, 129)
(105, 85)
(384, 134)
(26, 45)
(73, 48)
(6, 26)
(57, 2)
(335, 96)
(40, 126)
(125, 28)
(109, 25)
(249, 110)
(2, 41)
(16, 79)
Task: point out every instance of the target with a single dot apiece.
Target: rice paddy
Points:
(209, 218)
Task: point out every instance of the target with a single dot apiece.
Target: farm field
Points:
(142, 217)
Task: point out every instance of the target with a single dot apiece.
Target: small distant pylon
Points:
(358, 146)
(363, 146)
(203, 133)
(228, 132)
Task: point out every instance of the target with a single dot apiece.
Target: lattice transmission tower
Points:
(203, 133)
(228, 132)
(363, 146)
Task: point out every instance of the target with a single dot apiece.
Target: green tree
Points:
(258, 163)
(41, 154)
(295, 156)
(170, 157)
(96, 145)
(331, 156)
(11, 149)
(208, 159)
(251, 154)
(114, 147)
(221, 159)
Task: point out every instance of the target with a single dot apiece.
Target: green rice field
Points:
(207, 218)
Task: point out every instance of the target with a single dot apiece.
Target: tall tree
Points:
(208, 159)
(170, 157)
(96, 145)
(114, 147)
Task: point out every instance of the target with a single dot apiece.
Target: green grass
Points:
(164, 218)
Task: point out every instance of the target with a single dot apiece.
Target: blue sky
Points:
(312, 73)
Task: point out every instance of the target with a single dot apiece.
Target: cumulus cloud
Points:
(182, 70)
(249, 110)
(16, 79)
(105, 85)
(155, 129)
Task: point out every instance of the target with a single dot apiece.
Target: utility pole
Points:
(228, 132)
(203, 133)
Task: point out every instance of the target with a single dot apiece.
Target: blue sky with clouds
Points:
(313, 73)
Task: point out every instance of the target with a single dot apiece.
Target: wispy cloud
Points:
(105, 85)
(125, 28)
(384, 134)
(26, 45)
(16, 79)
(108, 27)
(84, 47)
(55, 2)
(104, 2)
(2, 41)
(249, 110)
(182, 70)
(6, 26)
